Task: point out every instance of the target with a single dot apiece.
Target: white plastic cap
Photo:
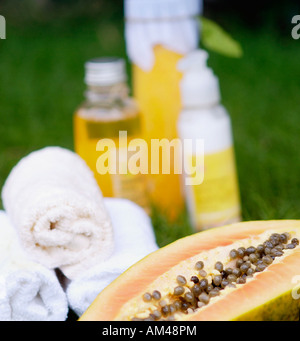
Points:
(199, 85)
(172, 24)
(105, 71)
(161, 9)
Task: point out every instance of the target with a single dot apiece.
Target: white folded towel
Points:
(28, 290)
(56, 206)
(134, 239)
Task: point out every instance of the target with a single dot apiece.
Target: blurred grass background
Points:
(41, 84)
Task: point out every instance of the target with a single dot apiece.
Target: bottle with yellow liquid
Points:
(158, 34)
(214, 200)
(104, 125)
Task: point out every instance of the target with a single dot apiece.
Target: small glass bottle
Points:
(109, 114)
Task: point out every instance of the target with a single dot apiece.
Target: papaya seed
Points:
(203, 283)
(147, 297)
(217, 280)
(199, 265)
(241, 251)
(219, 266)
(181, 280)
(204, 298)
(202, 273)
(233, 254)
(195, 279)
(179, 290)
(156, 295)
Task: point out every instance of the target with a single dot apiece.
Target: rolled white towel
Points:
(134, 239)
(28, 290)
(56, 206)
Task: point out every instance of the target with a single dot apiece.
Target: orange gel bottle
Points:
(158, 95)
(158, 34)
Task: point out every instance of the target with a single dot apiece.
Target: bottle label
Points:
(216, 200)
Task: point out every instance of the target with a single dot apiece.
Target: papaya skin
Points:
(275, 304)
(282, 308)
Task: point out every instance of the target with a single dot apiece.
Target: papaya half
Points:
(243, 271)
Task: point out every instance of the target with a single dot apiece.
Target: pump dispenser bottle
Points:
(215, 201)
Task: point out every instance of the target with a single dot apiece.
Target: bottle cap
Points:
(161, 9)
(171, 24)
(105, 71)
(199, 85)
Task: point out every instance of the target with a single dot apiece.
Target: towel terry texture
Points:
(56, 207)
(58, 224)
(134, 239)
(28, 290)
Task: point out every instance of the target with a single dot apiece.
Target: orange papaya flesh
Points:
(266, 295)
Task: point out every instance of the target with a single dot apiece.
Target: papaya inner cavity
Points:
(198, 281)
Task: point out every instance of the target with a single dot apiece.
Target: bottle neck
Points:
(107, 94)
(201, 106)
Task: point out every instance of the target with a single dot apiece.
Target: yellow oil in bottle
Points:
(107, 111)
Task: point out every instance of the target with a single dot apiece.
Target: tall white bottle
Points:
(216, 200)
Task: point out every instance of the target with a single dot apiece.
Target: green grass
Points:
(41, 85)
